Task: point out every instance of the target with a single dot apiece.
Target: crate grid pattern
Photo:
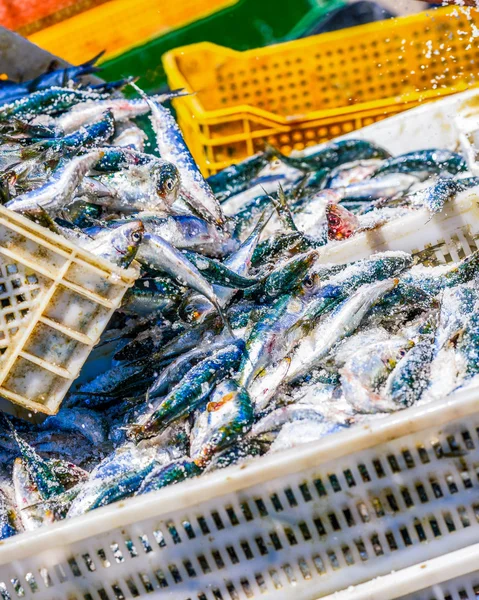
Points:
(305, 92)
(312, 535)
(55, 301)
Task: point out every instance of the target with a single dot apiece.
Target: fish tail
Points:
(112, 86)
(89, 66)
(271, 151)
(160, 98)
(223, 318)
(178, 93)
(33, 151)
(284, 213)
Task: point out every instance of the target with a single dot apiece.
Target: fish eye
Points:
(169, 184)
(136, 236)
(308, 282)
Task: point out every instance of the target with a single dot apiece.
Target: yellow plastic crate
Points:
(307, 91)
(55, 301)
(118, 25)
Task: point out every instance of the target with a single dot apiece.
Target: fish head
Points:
(167, 182)
(221, 411)
(342, 223)
(194, 309)
(127, 239)
(310, 284)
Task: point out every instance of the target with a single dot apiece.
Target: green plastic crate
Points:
(248, 24)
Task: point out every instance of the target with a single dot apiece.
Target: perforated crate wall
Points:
(55, 301)
(305, 92)
(308, 534)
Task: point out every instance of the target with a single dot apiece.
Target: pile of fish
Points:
(237, 340)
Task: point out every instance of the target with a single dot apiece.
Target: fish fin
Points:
(178, 93)
(111, 86)
(223, 318)
(159, 97)
(43, 218)
(271, 151)
(283, 211)
(89, 65)
(264, 219)
(299, 188)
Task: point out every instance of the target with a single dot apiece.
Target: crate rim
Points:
(210, 116)
(128, 276)
(417, 577)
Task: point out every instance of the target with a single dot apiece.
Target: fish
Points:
(159, 255)
(193, 389)
(427, 161)
(58, 190)
(290, 274)
(150, 187)
(173, 148)
(93, 134)
(49, 101)
(343, 321)
(118, 476)
(226, 417)
(122, 109)
(365, 372)
(119, 245)
(410, 377)
(10, 523)
(218, 273)
(441, 191)
(188, 232)
(334, 154)
(237, 177)
(11, 90)
(152, 294)
(174, 472)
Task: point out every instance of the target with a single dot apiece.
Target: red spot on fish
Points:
(342, 223)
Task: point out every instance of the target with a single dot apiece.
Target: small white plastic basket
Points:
(353, 516)
(55, 301)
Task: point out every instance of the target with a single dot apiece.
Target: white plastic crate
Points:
(305, 523)
(55, 301)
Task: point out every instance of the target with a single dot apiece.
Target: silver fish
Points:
(344, 320)
(119, 245)
(158, 254)
(122, 109)
(152, 187)
(59, 189)
(173, 148)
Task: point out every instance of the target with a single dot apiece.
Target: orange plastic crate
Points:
(307, 91)
(117, 26)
